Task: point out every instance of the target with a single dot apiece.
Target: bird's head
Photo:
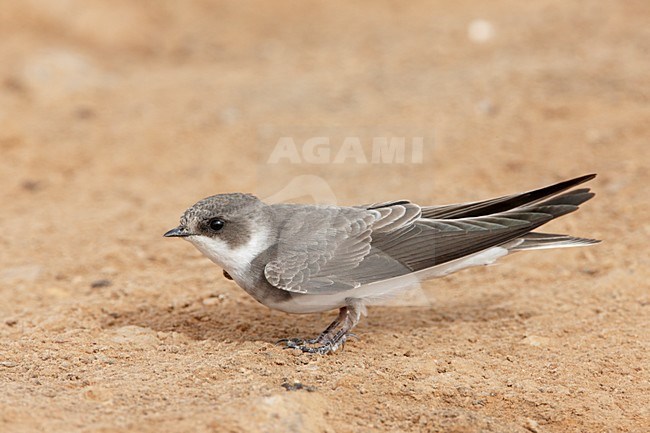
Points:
(225, 227)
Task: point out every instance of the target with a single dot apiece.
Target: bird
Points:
(302, 258)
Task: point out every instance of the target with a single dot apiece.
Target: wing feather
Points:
(505, 203)
(329, 249)
(314, 243)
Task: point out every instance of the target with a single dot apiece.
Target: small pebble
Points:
(532, 425)
(296, 386)
(480, 31)
(101, 283)
(31, 185)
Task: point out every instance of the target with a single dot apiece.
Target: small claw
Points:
(321, 350)
(292, 345)
(299, 343)
(289, 341)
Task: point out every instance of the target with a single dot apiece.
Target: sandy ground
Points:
(115, 116)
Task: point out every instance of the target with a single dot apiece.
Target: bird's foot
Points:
(334, 336)
(322, 345)
(290, 342)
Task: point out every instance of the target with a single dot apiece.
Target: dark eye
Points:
(216, 224)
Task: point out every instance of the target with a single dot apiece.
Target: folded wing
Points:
(324, 250)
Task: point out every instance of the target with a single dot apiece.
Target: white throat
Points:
(236, 261)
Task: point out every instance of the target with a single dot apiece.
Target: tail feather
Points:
(540, 241)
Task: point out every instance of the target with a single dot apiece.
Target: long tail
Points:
(556, 206)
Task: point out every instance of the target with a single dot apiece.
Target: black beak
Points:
(178, 232)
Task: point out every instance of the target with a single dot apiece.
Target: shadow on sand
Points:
(247, 321)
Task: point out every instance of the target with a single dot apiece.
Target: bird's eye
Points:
(216, 224)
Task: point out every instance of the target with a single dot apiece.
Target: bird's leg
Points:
(335, 335)
(327, 333)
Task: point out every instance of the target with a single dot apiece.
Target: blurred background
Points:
(125, 113)
(117, 115)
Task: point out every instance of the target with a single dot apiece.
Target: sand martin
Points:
(302, 258)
